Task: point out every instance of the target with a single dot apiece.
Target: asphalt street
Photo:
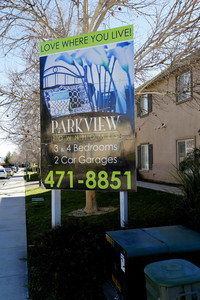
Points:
(3, 181)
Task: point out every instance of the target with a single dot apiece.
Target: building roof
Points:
(175, 67)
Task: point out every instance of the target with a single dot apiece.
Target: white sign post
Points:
(56, 208)
(123, 209)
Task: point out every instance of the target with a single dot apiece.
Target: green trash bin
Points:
(174, 279)
(130, 251)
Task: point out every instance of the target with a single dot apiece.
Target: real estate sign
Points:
(87, 111)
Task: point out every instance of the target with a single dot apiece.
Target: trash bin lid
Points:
(177, 238)
(173, 272)
(136, 242)
(155, 240)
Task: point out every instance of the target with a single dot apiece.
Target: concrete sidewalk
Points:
(160, 187)
(13, 240)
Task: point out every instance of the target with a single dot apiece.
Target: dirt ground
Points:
(101, 210)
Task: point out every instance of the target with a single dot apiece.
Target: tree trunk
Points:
(85, 16)
(91, 203)
(91, 206)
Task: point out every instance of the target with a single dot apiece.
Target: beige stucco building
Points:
(168, 120)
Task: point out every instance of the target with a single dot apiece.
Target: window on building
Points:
(184, 87)
(183, 148)
(145, 157)
(144, 106)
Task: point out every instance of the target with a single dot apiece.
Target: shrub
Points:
(190, 183)
(193, 158)
(34, 177)
(68, 263)
(189, 179)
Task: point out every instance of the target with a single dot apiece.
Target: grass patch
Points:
(74, 254)
(146, 208)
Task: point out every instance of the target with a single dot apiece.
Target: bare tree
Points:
(36, 21)
(20, 101)
(173, 32)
